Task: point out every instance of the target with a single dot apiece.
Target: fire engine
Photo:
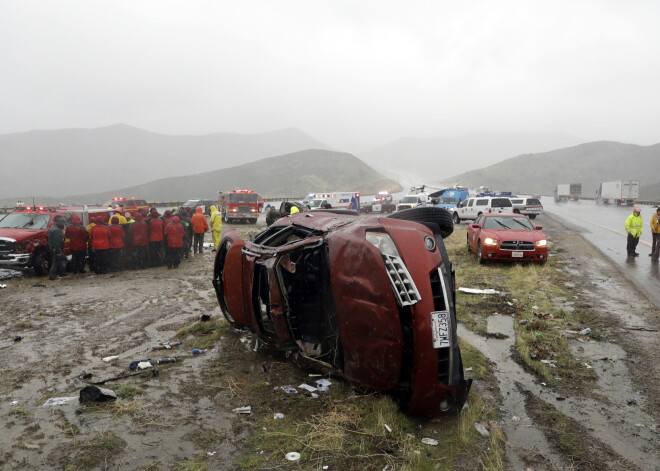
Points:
(24, 234)
(239, 205)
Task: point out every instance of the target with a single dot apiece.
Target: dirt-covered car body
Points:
(370, 299)
(507, 237)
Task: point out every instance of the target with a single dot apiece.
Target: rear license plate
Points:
(517, 254)
(440, 329)
(376, 207)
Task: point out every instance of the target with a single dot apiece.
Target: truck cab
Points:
(452, 197)
(412, 201)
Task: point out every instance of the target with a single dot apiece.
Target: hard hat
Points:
(636, 209)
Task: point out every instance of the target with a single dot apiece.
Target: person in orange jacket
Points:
(200, 227)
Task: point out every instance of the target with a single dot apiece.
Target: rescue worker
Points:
(90, 249)
(155, 239)
(634, 230)
(77, 236)
(655, 231)
(187, 225)
(100, 242)
(56, 246)
(116, 239)
(200, 227)
(216, 226)
(122, 219)
(174, 235)
(139, 240)
(167, 218)
(129, 218)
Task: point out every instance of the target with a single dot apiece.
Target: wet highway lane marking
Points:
(615, 231)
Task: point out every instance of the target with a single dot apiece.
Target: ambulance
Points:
(336, 200)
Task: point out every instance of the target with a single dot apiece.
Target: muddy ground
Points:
(186, 411)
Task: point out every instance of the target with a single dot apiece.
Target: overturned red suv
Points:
(370, 299)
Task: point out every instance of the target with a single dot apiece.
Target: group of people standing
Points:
(145, 239)
(634, 230)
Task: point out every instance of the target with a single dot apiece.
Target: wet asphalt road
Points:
(604, 226)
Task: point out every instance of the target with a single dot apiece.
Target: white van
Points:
(338, 200)
(473, 207)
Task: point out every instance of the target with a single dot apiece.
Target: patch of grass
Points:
(128, 392)
(23, 325)
(570, 438)
(19, 412)
(206, 334)
(199, 463)
(472, 358)
(102, 449)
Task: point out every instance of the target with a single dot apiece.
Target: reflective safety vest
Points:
(655, 224)
(634, 225)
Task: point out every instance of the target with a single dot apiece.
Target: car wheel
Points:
(480, 257)
(272, 216)
(41, 262)
(532, 216)
(253, 221)
(516, 211)
(457, 219)
(428, 214)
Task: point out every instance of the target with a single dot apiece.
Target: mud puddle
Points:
(618, 421)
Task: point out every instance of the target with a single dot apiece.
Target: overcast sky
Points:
(354, 74)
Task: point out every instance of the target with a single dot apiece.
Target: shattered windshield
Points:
(25, 221)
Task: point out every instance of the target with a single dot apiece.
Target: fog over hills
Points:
(588, 164)
(71, 161)
(292, 175)
(455, 155)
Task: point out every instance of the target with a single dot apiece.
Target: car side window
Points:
(478, 220)
(482, 202)
(470, 201)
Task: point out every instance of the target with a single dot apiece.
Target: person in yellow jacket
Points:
(294, 209)
(655, 231)
(216, 226)
(634, 230)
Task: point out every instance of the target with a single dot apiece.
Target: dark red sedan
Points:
(508, 237)
(370, 299)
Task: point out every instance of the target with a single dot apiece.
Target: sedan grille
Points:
(517, 245)
(402, 283)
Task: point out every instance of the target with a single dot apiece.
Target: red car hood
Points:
(19, 235)
(513, 234)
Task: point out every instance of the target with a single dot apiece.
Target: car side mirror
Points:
(538, 228)
(474, 226)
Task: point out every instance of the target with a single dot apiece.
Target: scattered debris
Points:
(482, 430)
(59, 294)
(110, 358)
(588, 366)
(18, 338)
(388, 428)
(205, 318)
(3, 286)
(58, 401)
(288, 389)
(560, 398)
(535, 307)
(13, 403)
(631, 402)
(198, 352)
(293, 456)
(96, 394)
(515, 418)
(166, 345)
(478, 291)
(211, 453)
(307, 387)
(550, 363)
(430, 441)
(243, 410)
(278, 415)
(323, 384)
(85, 375)
(646, 329)
(586, 331)
(523, 321)
(160, 361)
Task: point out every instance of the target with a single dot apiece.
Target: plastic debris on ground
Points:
(293, 456)
(323, 384)
(211, 453)
(141, 364)
(166, 345)
(307, 387)
(314, 396)
(198, 352)
(278, 415)
(13, 403)
(482, 430)
(95, 394)
(586, 331)
(6, 274)
(550, 363)
(243, 410)
(388, 428)
(288, 389)
(3, 286)
(430, 441)
(59, 401)
(110, 358)
(478, 291)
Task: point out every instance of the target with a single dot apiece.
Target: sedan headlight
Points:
(382, 242)
(541, 243)
(489, 241)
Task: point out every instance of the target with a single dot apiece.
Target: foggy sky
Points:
(354, 74)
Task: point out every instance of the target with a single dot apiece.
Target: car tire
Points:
(272, 216)
(516, 211)
(480, 257)
(457, 219)
(41, 262)
(532, 216)
(430, 214)
(252, 221)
